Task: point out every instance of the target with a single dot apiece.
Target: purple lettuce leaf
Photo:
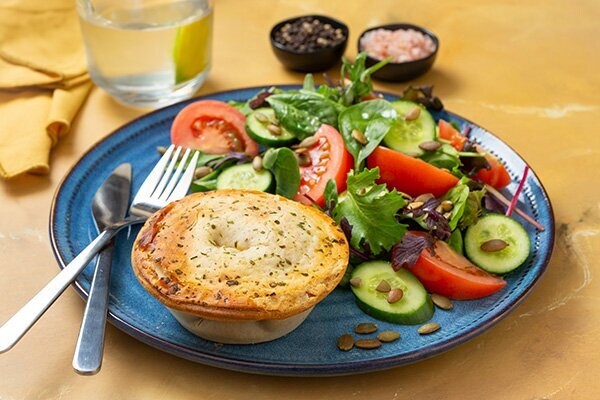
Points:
(406, 253)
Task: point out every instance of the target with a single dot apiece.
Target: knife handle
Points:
(87, 359)
(18, 325)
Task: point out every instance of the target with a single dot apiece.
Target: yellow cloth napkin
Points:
(43, 81)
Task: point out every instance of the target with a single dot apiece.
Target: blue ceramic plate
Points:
(311, 349)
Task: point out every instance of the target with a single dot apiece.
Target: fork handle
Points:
(14, 329)
(87, 359)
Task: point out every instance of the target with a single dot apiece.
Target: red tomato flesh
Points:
(329, 160)
(410, 175)
(452, 275)
(496, 176)
(212, 127)
(447, 132)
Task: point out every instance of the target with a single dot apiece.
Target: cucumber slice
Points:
(258, 131)
(415, 307)
(497, 226)
(243, 176)
(405, 136)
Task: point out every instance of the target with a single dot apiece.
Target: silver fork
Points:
(164, 185)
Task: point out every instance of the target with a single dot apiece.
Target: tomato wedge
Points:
(410, 175)
(452, 275)
(496, 176)
(212, 127)
(447, 132)
(329, 159)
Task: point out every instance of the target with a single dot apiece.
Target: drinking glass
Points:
(147, 53)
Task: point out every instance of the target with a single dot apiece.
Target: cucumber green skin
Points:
(400, 312)
(401, 138)
(497, 226)
(259, 133)
(253, 180)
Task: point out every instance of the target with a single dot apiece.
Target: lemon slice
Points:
(193, 47)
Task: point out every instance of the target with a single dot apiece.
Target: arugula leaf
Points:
(444, 157)
(359, 78)
(458, 196)
(331, 195)
(302, 113)
(373, 119)
(371, 209)
(284, 166)
(309, 83)
(473, 209)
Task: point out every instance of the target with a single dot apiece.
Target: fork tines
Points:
(164, 184)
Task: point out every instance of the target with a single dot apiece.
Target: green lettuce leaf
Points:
(371, 211)
(284, 166)
(302, 113)
(445, 157)
(373, 119)
(473, 209)
(458, 196)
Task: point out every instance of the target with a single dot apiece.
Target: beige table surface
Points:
(527, 71)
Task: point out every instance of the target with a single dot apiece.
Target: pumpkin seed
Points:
(388, 336)
(442, 302)
(424, 197)
(428, 328)
(383, 286)
(201, 172)
(261, 117)
(365, 328)
(257, 163)
(308, 142)
(356, 282)
(415, 204)
(493, 245)
(161, 150)
(430, 145)
(395, 295)
(274, 129)
(413, 114)
(303, 159)
(367, 344)
(448, 215)
(345, 342)
(359, 137)
(447, 205)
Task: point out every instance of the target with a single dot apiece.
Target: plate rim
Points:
(291, 369)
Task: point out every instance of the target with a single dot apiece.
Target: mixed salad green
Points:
(416, 198)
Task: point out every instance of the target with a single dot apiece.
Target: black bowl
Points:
(317, 60)
(404, 71)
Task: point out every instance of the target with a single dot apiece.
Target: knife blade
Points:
(109, 205)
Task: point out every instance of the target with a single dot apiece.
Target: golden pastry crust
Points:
(239, 255)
